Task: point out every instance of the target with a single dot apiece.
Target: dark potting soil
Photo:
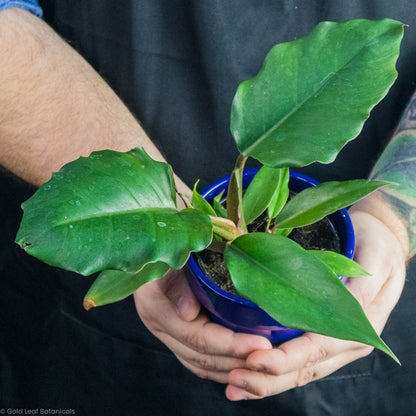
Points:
(318, 236)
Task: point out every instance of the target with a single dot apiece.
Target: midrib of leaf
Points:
(305, 213)
(295, 109)
(70, 221)
(260, 265)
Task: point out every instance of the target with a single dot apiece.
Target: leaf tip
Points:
(89, 303)
(386, 349)
(23, 244)
(394, 357)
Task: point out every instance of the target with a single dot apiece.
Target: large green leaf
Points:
(316, 202)
(111, 211)
(297, 289)
(114, 285)
(313, 95)
(339, 264)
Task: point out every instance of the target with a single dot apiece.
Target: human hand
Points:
(170, 311)
(310, 357)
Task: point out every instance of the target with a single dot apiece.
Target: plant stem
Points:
(235, 195)
(225, 228)
(269, 220)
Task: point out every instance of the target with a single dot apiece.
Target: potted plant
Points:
(210, 281)
(116, 213)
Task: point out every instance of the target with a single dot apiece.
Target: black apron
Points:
(177, 64)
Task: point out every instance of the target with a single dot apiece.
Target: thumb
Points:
(177, 290)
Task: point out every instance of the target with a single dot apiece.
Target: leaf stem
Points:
(225, 228)
(235, 195)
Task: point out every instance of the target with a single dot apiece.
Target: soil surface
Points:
(318, 236)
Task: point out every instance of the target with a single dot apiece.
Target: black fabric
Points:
(176, 64)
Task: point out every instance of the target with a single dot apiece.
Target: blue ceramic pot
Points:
(242, 315)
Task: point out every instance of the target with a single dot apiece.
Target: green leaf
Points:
(284, 232)
(111, 211)
(198, 202)
(262, 189)
(281, 194)
(297, 289)
(316, 202)
(218, 207)
(114, 285)
(314, 94)
(339, 264)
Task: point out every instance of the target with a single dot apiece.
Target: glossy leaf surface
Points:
(281, 194)
(199, 203)
(220, 211)
(114, 285)
(339, 264)
(314, 94)
(260, 192)
(297, 289)
(316, 202)
(111, 211)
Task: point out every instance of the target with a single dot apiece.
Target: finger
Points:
(246, 384)
(201, 361)
(235, 393)
(159, 315)
(217, 376)
(301, 352)
(205, 337)
(177, 290)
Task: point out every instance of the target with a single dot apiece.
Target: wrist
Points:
(377, 206)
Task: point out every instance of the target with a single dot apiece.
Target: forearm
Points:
(398, 164)
(53, 106)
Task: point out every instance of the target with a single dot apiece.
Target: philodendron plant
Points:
(116, 213)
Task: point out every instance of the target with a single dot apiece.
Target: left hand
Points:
(171, 312)
(310, 357)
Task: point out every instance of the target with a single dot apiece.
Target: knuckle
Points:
(233, 347)
(319, 354)
(306, 375)
(206, 362)
(198, 343)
